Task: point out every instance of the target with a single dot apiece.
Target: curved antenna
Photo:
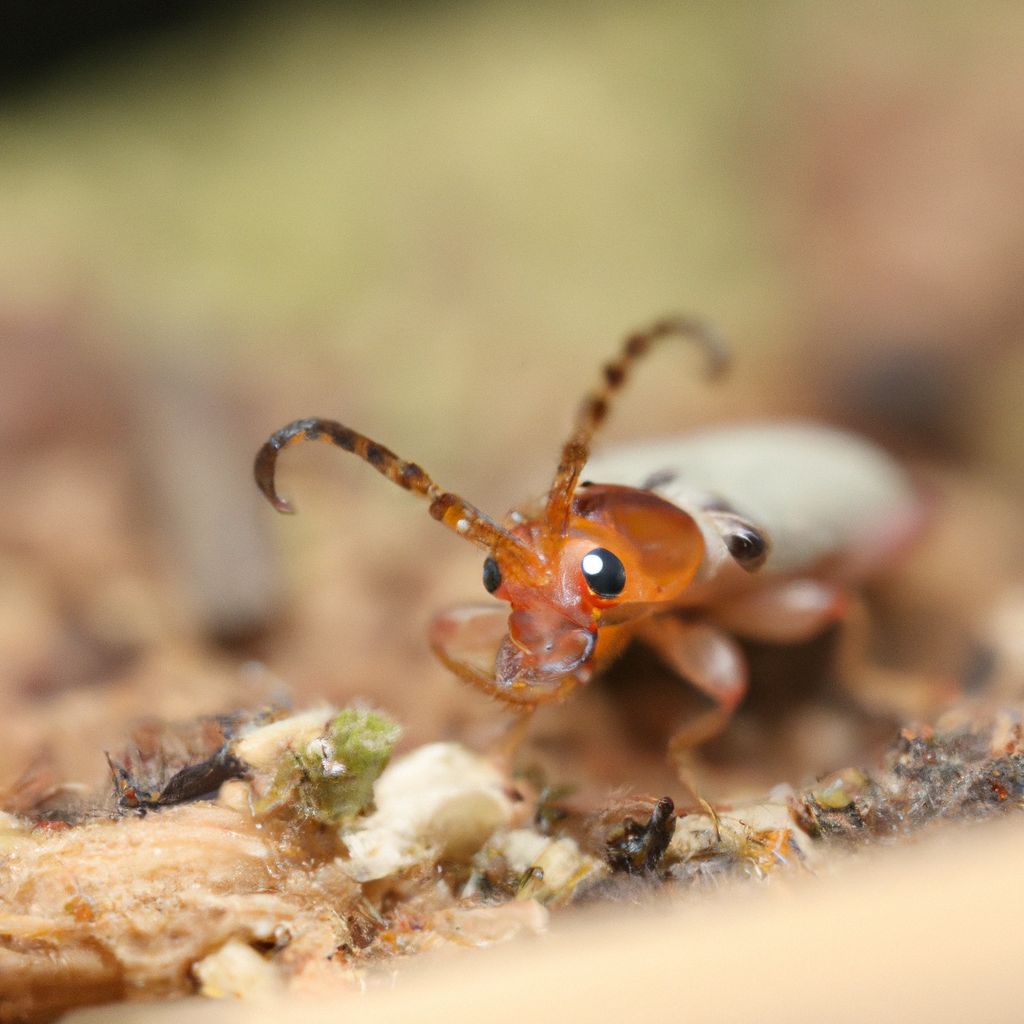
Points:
(594, 409)
(447, 508)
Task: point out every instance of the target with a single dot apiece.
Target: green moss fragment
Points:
(329, 777)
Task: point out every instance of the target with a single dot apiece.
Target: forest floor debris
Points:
(318, 865)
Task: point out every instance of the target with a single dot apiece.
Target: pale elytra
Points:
(759, 531)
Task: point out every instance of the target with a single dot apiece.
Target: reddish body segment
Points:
(758, 531)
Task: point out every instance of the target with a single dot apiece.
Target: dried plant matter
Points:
(275, 887)
(109, 908)
(161, 899)
(963, 769)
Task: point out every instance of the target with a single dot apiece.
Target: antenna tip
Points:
(282, 505)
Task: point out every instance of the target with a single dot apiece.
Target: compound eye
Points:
(604, 572)
(748, 546)
(492, 575)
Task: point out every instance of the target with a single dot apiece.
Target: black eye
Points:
(492, 575)
(748, 547)
(604, 572)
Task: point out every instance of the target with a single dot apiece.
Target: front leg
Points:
(466, 641)
(795, 611)
(789, 612)
(708, 658)
(882, 690)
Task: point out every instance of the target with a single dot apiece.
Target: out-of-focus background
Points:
(434, 221)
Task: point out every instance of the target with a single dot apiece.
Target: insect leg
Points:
(708, 658)
(513, 736)
(881, 689)
(787, 613)
(466, 641)
(595, 406)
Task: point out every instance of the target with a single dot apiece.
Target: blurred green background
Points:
(457, 191)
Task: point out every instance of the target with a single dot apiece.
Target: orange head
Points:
(624, 552)
(598, 554)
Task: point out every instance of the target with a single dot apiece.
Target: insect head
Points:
(594, 556)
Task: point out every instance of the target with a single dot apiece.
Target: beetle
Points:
(759, 531)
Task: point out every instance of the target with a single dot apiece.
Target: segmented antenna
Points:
(594, 409)
(457, 514)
